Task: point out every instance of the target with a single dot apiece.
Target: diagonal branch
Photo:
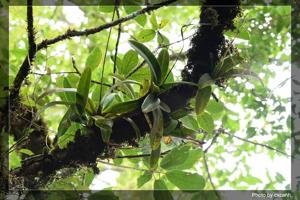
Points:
(257, 144)
(73, 33)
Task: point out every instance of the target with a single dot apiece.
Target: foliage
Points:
(244, 107)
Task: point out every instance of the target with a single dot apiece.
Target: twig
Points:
(79, 73)
(212, 142)
(258, 144)
(209, 175)
(117, 43)
(103, 66)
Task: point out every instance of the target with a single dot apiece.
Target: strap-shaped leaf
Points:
(105, 125)
(134, 126)
(226, 64)
(124, 107)
(164, 59)
(150, 103)
(155, 137)
(149, 58)
(64, 124)
(202, 98)
(83, 88)
(54, 103)
(53, 91)
(70, 97)
(204, 81)
(94, 59)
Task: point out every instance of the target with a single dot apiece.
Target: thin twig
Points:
(104, 60)
(258, 144)
(209, 175)
(79, 73)
(117, 43)
(212, 142)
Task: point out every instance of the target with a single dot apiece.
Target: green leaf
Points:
(227, 64)
(202, 98)
(190, 122)
(186, 180)
(130, 60)
(141, 20)
(251, 180)
(177, 114)
(94, 59)
(206, 122)
(163, 23)
(143, 179)
(26, 151)
(105, 126)
(279, 178)
(68, 136)
(214, 107)
(54, 103)
(124, 107)
(163, 106)
(150, 103)
(163, 60)
(153, 21)
(162, 40)
(149, 58)
(70, 97)
(105, 6)
(154, 156)
(181, 158)
(161, 191)
(230, 123)
(108, 100)
(65, 123)
(83, 88)
(204, 81)
(146, 35)
(56, 90)
(135, 127)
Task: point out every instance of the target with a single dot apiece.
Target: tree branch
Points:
(256, 143)
(73, 33)
(25, 67)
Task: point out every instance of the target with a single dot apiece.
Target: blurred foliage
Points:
(246, 108)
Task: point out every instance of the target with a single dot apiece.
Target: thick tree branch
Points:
(25, 67)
